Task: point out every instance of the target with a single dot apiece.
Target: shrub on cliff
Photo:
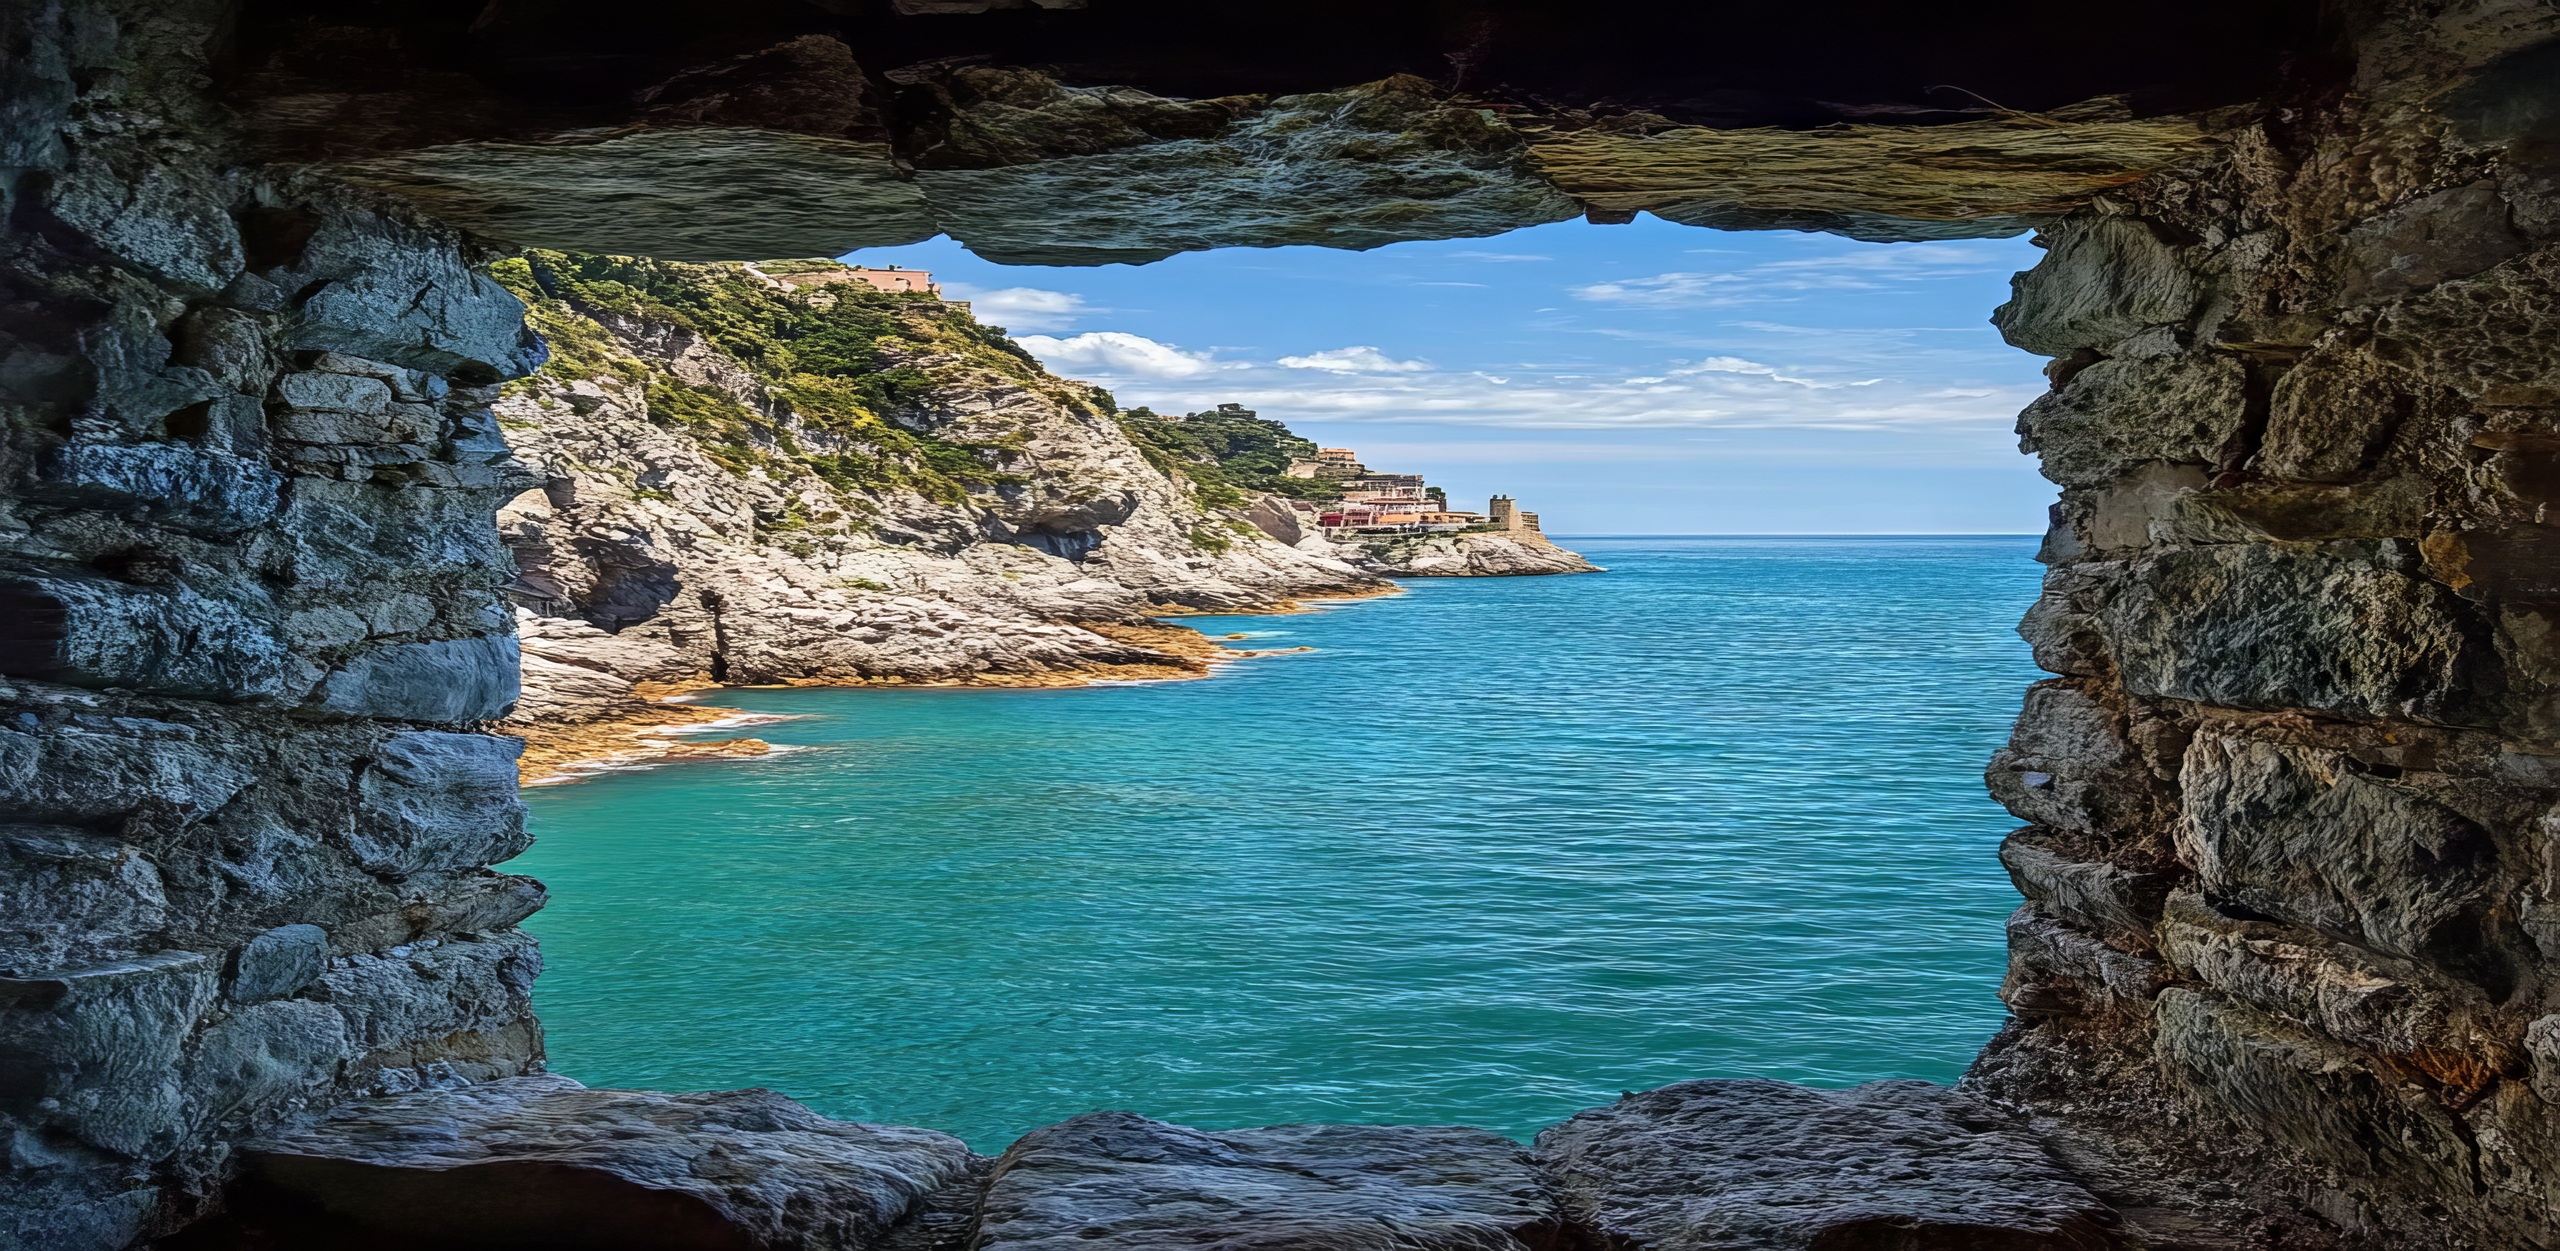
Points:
(842, 357)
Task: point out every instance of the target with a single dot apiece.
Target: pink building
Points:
(890, 279)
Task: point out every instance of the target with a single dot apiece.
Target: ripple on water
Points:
(1498, 850)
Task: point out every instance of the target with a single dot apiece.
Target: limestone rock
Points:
(189, 485)
(2057, 969)
(2451, 234)
(2446, 1028)
(1360, 168)
(1487, 554)
(71, 895)
(433, 800)
(100, 1048)
(2070, 764)
(2346, 628)
(265, 1061)
(278, 963)
(2115, 902)
(157, 214)
(2328, 417)
(673, 193)
(2310, 837)
(1121, 1180)
(2116, 414)
(437, 989)
(473, 679)
(1966, 180)
(543, 1160)
(2101, 281)
(1764, 1166)
(166, 639)
(374, 288)
(2307, 1093)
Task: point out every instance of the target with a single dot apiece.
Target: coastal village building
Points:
(891, 279)
(1396, 503)
(1328, 462)
(1507, 515)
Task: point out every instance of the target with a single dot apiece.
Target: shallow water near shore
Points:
(1499, 849)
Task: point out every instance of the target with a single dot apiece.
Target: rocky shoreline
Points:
(1508, 554)
(655, 728)
(938, 511)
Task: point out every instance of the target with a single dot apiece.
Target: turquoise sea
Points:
(1495, 851)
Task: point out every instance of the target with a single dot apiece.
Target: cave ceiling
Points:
(1042, 131)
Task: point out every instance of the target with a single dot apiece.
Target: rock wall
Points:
(2292, 792)
(249, 617)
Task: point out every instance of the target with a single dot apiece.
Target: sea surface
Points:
(1496, 850)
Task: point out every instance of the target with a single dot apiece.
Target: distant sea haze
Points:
(1497, 850)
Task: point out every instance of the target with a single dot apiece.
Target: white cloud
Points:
(1353, 360)
(1729, 394)
(1754, 369)
(1115, 352)
(1022, 308)
(1860, 269)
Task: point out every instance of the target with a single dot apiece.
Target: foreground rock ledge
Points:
(1759, 1164)
(544, 1161)
(1700, 1166)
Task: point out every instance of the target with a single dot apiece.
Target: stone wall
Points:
(248, 617)
(2292, 855)
(2290, 866)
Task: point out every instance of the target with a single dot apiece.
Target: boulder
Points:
(1763, 1165)
(544, 1161)
(433, 800)
(279, 963)
(94, 1052)
(471, 679)
(2121, 413)
(2348, 628)
(2307, 836)
(100, 632)
(1120, 1180)
(2102, 280)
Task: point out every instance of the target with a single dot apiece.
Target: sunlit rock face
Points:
(2283, 975)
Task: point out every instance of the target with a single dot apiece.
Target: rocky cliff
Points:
(748, 483)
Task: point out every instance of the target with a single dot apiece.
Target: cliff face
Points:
(748, 484)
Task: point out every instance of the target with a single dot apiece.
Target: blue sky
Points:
(1639, 379)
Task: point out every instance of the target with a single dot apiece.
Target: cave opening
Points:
(1219, 904)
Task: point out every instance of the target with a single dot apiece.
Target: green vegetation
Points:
(1228, 454)
(841, 356)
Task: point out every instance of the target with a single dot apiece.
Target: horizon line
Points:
(1814, 534)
